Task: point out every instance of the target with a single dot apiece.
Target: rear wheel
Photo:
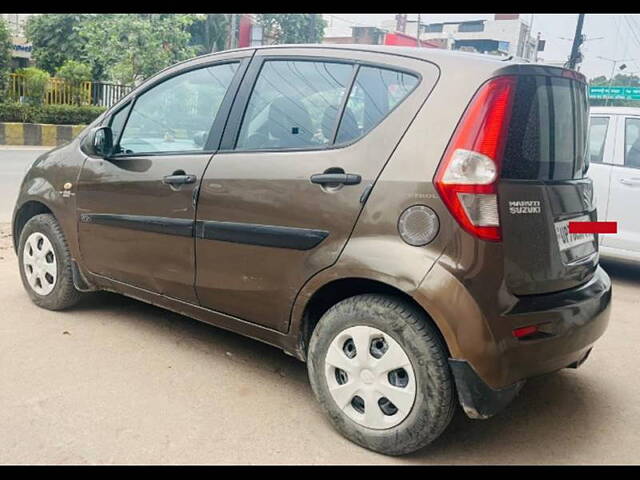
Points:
(45, 264)
(379, 368)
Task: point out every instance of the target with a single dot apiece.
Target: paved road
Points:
(13, 164)
(118, 381)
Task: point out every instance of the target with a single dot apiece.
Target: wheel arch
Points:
(337, 290)
(23, 214)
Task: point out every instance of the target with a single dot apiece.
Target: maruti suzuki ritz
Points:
(395, 217)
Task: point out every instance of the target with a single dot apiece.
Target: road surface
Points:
(14, 161)
(117, 381)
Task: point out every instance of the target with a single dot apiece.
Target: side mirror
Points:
(99, 142)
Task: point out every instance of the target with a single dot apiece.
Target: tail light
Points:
(470, 168)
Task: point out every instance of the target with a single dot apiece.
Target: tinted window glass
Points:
(548, 130)
(375, 93)
(471, 27)
(176, 115)
(294, 104)
(597, 135)
(117, 121)
(632, 142)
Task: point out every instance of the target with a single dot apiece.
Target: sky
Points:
(615, 37)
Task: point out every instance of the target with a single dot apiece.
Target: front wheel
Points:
(379, 368)
(45, 264)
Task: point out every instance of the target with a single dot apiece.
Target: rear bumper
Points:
(479, 400)
(572, 320)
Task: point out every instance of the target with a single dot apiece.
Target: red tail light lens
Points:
(470, 168)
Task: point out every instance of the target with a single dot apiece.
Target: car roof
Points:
(426, 53)
(615, 110)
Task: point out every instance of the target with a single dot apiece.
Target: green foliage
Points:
(36, 84)
(5, 55)
(125, 48)
(620, 80)
(55, 39)
(209, 32)
(53, 114)
(131, 47)
(294, 27)
(75, 74)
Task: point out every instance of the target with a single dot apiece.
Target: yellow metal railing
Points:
(58, 92)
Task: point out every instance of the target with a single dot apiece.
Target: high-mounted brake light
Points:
(470, 168)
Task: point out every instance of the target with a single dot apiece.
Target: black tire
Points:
(434, 403)
(64, 293)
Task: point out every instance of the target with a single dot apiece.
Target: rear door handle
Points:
(179, 179)
(336, 178)
(630, 181)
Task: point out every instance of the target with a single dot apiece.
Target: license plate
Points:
(568, 240)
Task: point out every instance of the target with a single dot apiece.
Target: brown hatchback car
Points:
(395, 217)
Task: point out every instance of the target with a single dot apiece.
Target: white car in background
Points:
(614, 156)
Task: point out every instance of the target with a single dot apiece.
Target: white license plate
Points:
(568, 240)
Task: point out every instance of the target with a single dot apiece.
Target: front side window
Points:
(375, 93)
(597, 136)
(117, 121)
(177, 114)
(294, 104)
(632, 142)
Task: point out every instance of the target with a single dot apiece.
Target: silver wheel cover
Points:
(39, 263)
(368, 377)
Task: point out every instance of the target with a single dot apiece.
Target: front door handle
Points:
(630, 181)
(179, 179)
(336, 178)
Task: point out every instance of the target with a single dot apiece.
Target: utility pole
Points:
(577, 41)
(313, 26)
(418, 33)
(232, 32)
(401, 22)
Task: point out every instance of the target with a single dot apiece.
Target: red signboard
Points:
(400, 39)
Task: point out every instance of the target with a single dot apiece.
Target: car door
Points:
(602, 130)
(137, 208)
(625, 187)
(307, 137)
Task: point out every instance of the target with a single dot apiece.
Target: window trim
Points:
(212, 143)
(236, 116)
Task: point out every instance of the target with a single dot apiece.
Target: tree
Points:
(56, 38)
(209, 32)
(132, 47)
(5, 56)
(75, 74)
(620, 80)
(294, 27)
(36, 84)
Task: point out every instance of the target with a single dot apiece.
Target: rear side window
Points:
(548, 130)
(375, 93)
(294, 104)
(632, 142)
(597, 135)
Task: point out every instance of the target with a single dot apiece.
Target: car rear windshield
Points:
(548, 130)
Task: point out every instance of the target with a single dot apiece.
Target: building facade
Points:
(367, 35)
(506, 34)
(21, 52)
